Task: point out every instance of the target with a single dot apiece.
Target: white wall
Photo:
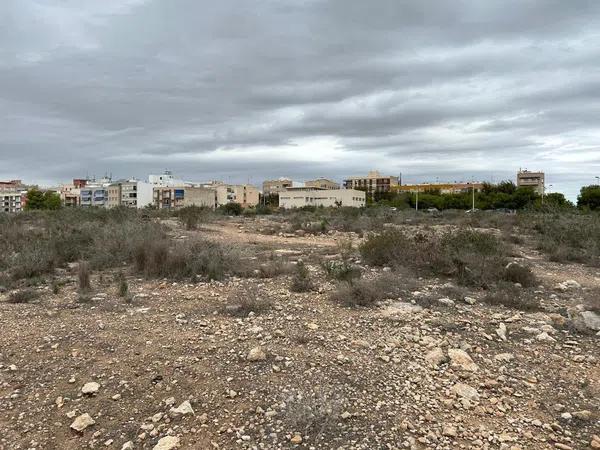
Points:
(325, 197)
(144, 194)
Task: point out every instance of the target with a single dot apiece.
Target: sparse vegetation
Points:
(516, 273)
(83, 277)
(23, 296)
(508, 295)
(244, 301)
(341, 270)
(301, 280)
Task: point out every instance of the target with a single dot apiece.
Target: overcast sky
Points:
(248, 90)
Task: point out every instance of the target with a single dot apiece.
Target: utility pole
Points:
(417, 201)
(473, 186)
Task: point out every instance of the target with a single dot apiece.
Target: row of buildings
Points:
(164, 191)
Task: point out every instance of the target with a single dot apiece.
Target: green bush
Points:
(341, 270)
(301, 281)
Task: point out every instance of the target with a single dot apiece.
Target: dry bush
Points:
(517, 273)
(23, 296)
(473, 257)
(513, 297)
(245, 300)
(274, 268)
(314, 414)
(301, 280)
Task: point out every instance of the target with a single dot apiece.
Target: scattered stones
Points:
(436, 357)
(568, 285)
(82, 422)
(465, 391)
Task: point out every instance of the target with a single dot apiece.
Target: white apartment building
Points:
(312, 196)
(129, 193)
(12, 201)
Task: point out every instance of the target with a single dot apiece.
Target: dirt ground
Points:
(305, 373)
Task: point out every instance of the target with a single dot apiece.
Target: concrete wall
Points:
(144, 194)
(322, 197)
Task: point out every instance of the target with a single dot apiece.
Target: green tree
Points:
(589, 197)
(232, 209)
(35, 199)
(51, 200)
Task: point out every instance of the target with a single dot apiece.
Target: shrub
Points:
(123, 286)
(23, 296)
(191, 216)
(473, 257)
(272, 269)
(341, 270)
(301, 281)
(315, 414)
(231, 209)
(244, 301)
(517, 273)
(510, 296)
(83, 276)
(361, 293)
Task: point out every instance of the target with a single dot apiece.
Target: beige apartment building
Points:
(373, 183)
(244, 194)
(129, 193)
(276, 186)
(322, 183)
(312, 196)
(173, 197)
(534, 180)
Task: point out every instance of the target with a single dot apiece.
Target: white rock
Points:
(127, 445)
(184, 409)
(470, 300)
(459, 358)
(256, 354)
(446, 301)
(504, 357)
(82, 422)
(465, 391)
(501, 331)
(167, 443)
(90, 388)
(545, 337)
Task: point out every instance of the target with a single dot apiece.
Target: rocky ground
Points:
(179, 366)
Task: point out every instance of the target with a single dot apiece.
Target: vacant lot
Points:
(332, 330)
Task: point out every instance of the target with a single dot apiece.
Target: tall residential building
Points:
(94, 193)
(174, 197)
(297, 197)
(70, 194)
(12, 201)
(129, 193)
(372, 184)
(276, 186)
(322, 183)
(534, 180)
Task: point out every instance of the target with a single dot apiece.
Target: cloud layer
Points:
(251, 90)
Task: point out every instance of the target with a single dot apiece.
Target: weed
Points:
(244, 301)
(23, 296)
(511, 296)
(341, 270)
(83, 276)
(301, 281)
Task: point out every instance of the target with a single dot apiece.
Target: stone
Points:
(296, 439)
(504, 357)
(501, 331)
(459, 358)
(449, 431)
(127, 445)
(90, 388)
(256, 354)
(446, 301)
(82, 422)
(470, 300)
(167, 443)
(436, 357)
(465, 391)
(182, 410)
(582, 415)
(567, 285)
(345, 415)
(545, 337)
(587, 320)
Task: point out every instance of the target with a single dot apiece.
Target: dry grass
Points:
(23, 296)
(244, 301)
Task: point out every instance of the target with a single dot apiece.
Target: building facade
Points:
(244, 194)
(129, 193)
(276, 186)
(322, 183)
(70, 194)
(12, 201)
(535, 180)
(12, 185)
(174, 197)
(444, 188)
(372, 184)
(312, 196)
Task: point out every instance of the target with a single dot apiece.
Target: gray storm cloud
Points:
(249, 90)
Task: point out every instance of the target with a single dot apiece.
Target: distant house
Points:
(322, 183)
(298, 197)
